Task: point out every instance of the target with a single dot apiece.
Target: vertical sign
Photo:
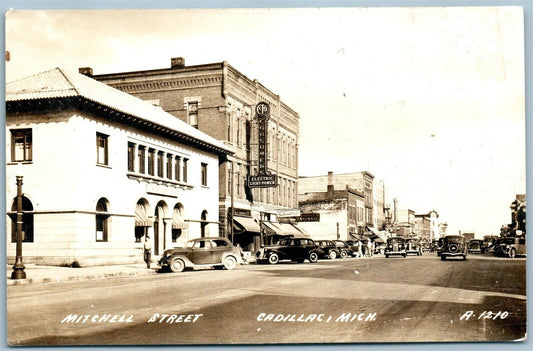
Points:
(262, 179)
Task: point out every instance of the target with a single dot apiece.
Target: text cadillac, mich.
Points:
(319, 317)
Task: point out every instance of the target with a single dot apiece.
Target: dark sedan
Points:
(294, 249)
(329, 249)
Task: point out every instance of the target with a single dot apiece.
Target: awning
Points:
(141, 219)
(246, 224)
(178, 222)
(289, 229)
(379, 241)
(272, 228)
(373, 232)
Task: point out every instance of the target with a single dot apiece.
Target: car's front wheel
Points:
(230, 262)
(177, 265)
(313, 257)
(273, 258)
(344, 254)
(332, 255)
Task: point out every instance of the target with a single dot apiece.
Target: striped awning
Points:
(141, 218)
(178, 222)
(246, 224)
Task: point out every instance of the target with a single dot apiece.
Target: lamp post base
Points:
(18, 273)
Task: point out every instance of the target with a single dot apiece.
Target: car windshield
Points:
(454, 239)
(395, 240)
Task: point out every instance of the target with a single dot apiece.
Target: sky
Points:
(429, 100)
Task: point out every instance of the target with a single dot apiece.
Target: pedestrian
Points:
(359, 249)
(147, 252)
(369, 248)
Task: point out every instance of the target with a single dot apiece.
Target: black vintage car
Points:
(214, 252)
(454, 246)
(294, 249)
(476, 246)
(511, 247)
(329, 249)
(413, 246)
(344, 248)
(395, 246)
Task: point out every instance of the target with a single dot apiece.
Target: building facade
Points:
(102, 172)
(360, 182)
(219, 100)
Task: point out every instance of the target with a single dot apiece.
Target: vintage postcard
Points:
(265, 176)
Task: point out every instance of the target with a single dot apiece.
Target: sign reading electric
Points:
(263, 179)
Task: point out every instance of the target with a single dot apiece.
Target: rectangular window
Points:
(204, 174)
(151, 161)
(21, 145)
(169, 166)
(102, 149)
(177, 169)
(185, 163)
(141, 155)
(192, 108)
(131, 157)
(160, 164)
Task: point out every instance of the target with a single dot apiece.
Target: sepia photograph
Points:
(265, 176)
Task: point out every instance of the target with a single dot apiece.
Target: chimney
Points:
(86, 71)
(331, 188)
(177, 62)
(395, 211)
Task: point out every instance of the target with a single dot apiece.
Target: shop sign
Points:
(263, 179)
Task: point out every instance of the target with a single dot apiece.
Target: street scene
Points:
(174, 182)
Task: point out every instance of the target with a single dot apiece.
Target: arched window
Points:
(102, 220)
(27, 221)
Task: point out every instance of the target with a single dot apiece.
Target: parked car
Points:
(294, 249)
(217, 252)
(395, 246)
(476, 246)
(329, 249)
(511, 247)
(454, 246)
(354, 246)
(344, 249)
(413, 246)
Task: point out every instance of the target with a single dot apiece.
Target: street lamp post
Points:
(18, 267)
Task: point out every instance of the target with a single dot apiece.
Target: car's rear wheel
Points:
(344, 254)
(332, 255)
(313, 257)
(512, 253)
(177, 265)
(230, 262)
(273, 258)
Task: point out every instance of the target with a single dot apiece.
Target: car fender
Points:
(278, 252)
(185, 260)
(234, 255)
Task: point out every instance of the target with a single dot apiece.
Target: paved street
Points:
(350, 300)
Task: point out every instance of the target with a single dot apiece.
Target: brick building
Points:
(219, 100)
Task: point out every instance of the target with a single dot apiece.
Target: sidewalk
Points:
(51, 274)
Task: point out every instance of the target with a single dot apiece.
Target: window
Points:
(102, 149)
(169, 166)
(177, 169)
(160, 162)
(131, 157)
(204, 174)
(192, 108)
(151, 161)
(102, 220)
(21, 145)
(185, 163)
(141, 155)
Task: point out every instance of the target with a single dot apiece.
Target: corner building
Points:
(220, 101)
(102, 171)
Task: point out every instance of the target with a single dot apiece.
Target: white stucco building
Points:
(101, 171)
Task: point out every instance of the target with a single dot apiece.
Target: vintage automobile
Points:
(511, 247)
(216, 252)
(344, 249)
(395, 246)
(294, 249)
(329, 249)
(354, 246)
(454, 246)
(440, 243)
(476, 246)
(413, 246)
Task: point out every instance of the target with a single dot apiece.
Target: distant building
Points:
(361, 182)
(340, 212)
(426, 226)
(404, 223)
(219, 100)
(103, 171)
